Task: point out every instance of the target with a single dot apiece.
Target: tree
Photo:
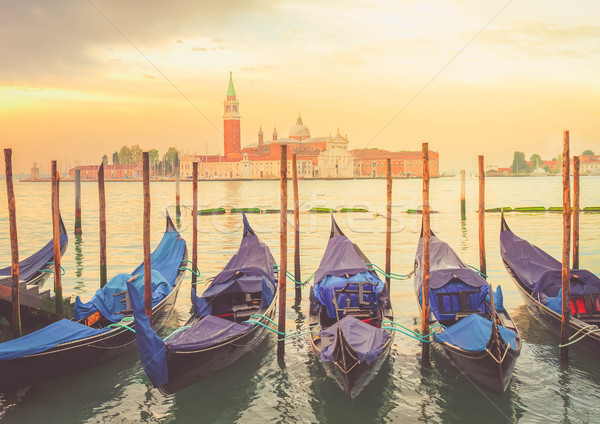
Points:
(546, 168)
(136, 154)
(536, 161)
(115, 158)
(125, 155)
(153, 156)
(171, 160)
(105, 160)
(519, 164)
(587, 152)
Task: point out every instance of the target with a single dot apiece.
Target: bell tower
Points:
(231, 122)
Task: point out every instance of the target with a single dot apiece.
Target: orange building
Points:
(90, 172)
(373, 163)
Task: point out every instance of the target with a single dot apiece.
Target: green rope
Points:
(477, 271)
(62, 270)
(412, 336)
(265, 317)
(266, 326)
(118, 324)
(291, 276)
(197, 274)
(188, 261)
(179, 330)
(311, 277)
(390, 275)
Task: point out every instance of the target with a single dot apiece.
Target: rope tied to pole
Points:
(586, 331)
(392, 275)
(410, 333)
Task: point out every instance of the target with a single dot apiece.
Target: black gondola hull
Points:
(188, 368)
(80, 354)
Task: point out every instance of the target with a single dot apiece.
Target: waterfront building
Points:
(111, 172)
(35, 172)
(589, 165)
(369, 163)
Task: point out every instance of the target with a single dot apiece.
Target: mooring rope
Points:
(587, 330)
(392, 275)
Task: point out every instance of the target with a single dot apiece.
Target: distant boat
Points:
(36, 307)
(484, 348)
(348, 303)
(538, 277)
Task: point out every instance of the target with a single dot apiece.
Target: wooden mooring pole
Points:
(297, 272)
(575, 212)
(194, 223)
(481, 214)
(146, 225)
(14, 245)
(282, 250)
(426, 253)
(78, 231)
(102, 214)
(388, 226)
(178, 196)
(56, 236)
(566, 272)
(463, 208)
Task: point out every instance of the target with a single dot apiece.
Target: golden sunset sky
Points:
(79, 79)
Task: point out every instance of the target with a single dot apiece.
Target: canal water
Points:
(258, 388)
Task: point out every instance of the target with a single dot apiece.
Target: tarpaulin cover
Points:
(208, 331)
(448, 274)
(323, 291)
(539, 271)
(473, 333)
(250, 270)
(151, 348)
(366, 340)
(109, 305)
(29, 267)
(165, 261)
(62, 331)
(340, 258)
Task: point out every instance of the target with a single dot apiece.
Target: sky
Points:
(79, 79)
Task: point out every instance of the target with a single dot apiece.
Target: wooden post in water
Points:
(297, 273)
(566, 272)
(388, 226)
(146, 224)
(178, 198)
(482, 264)
(463, 209)
(194, 224)
(575, 212)
(14, 245)
(282, 250)
(426, 253)
(102, 213)
(78, 202)
(56, 236)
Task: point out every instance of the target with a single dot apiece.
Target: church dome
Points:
(299, 131)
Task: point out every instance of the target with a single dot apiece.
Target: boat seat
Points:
(586, 308)
(462, 299)
(362, 310)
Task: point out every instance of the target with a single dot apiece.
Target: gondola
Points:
(348, 303)
(36, 307)
(538, 276)
(229, 320)
(484, 350)
(102, 328)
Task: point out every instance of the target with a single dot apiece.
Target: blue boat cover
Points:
(449, 274)
(324, 290)
(250, 270)
(208, 331)
(62, 331)
(473, 333)
(540, 272)
(30, 266)
(366, 340)
(109, 305)
(151, 348)
(165, 261)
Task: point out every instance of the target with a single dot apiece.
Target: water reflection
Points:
(79, 261)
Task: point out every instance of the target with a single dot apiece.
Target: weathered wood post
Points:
(195, 224)
(146, 225)
(282, 250)
(14, 245)
(566, 272)
(177, 197)
(426, 253)
(388, 226)
(575, 212)
(78, 202)
(463, 208)
(482, 263)
(297, 273)
(56, 236)
(102, 214)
